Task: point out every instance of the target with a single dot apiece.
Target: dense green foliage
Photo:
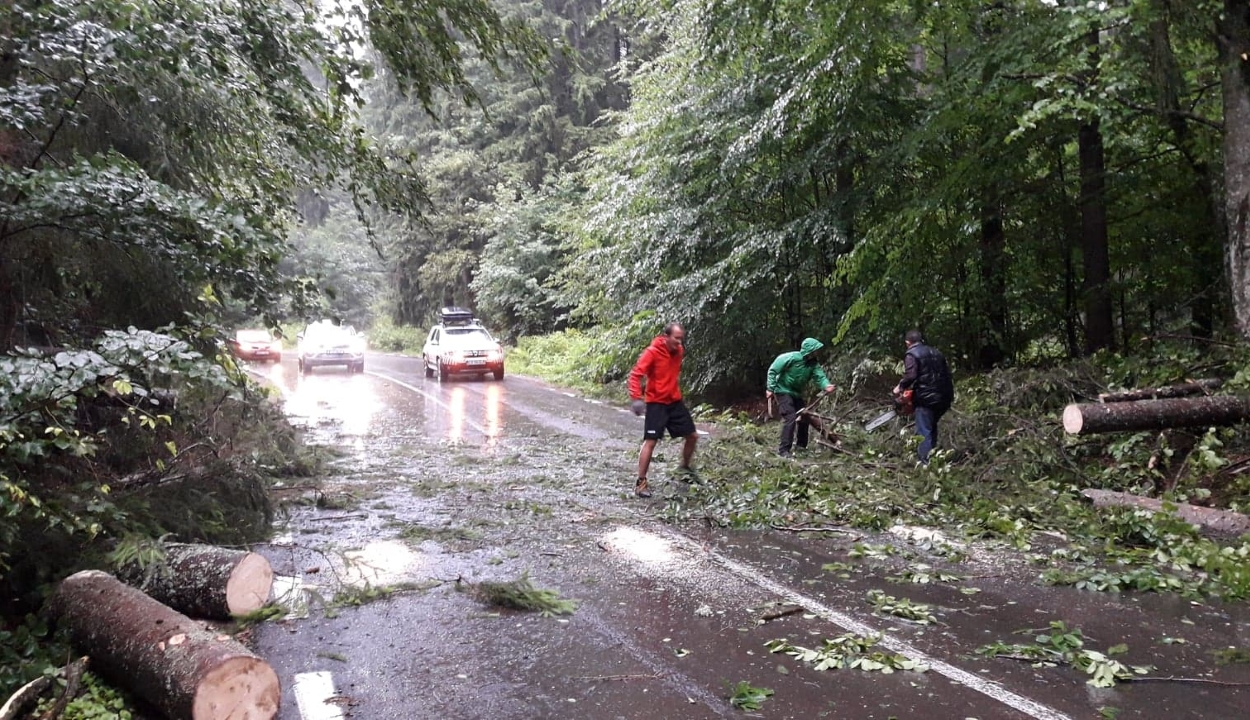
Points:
(156, 159)
(1007, 478)
(1023, 180)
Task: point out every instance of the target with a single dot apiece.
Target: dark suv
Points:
(459, 345)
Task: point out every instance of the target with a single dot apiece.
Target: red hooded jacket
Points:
(661, 369)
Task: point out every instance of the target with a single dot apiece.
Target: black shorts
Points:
(673, 417)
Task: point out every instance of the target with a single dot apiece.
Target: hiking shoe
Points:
(689, 475)
(784, 454)
(641, 489)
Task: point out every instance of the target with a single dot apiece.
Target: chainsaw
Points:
(903, 405)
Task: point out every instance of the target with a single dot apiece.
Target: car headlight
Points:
(276, 346)
(494, 356)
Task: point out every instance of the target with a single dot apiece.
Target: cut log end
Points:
(249, 585)
(1073, 421)
(242, 688)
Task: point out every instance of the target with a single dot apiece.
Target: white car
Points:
(460, 346)
(324, 343)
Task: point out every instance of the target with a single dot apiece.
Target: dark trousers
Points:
(788, 406)
(927, 428)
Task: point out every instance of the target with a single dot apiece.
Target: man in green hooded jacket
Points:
(788, 378)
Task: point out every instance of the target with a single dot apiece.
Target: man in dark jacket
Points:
(927, 375)
(660, 367)
(788, 378)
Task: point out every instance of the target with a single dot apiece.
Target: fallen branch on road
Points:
(619, 677)
(818, 528)
(1201, 681)
(782, 613)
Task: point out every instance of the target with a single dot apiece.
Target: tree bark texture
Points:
(206, 581)
(1198, 387)
(1235, 75)
(1091, 418)
(1223, 522)
(185, 670)
(993, 267)
(1099, 322)
(1099, 310)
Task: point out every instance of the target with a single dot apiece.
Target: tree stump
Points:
(1090, 418)
(187, 671)
(206, 581)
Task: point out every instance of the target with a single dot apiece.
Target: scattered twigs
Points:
(1200, 681)
(24, 696)
(778, 614)
(818, 528)
(639, 676)
(349, 516)
(73, 681)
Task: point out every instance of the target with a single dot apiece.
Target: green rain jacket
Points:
(790, 372)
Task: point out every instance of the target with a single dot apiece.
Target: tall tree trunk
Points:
(1099, 308)
(993, 258)
(1235, 71)
(1209, 234)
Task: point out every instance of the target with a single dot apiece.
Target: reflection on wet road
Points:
(481, 480)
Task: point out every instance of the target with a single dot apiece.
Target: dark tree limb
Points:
(1197, 387)
(73, 681)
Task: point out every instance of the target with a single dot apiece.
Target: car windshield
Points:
(467, 336)
(253, 336)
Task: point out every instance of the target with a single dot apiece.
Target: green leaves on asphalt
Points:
(1062, 645)
(847, 652)
(745, 696)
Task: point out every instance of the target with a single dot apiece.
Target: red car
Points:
(256, 345)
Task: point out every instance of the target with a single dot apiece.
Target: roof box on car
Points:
(455, 316)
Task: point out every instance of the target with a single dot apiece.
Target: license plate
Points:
(477, 361)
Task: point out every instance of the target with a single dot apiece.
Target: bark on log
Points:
(1092, 418)
(205, 580)
(1223, 522)
(1198, 387)
(27, 694)
(185, 670)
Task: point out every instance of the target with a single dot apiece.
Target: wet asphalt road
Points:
(481, 480)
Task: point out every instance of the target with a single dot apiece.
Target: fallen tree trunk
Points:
(1089, 418)
(1223, 522)
(176, 664)
(205, 580)
(1197, 387)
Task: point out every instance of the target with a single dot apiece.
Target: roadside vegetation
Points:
(1006, 476)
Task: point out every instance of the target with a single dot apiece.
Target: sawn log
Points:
(1089, 418)
(1197, 387)
(205, 581)
(1223, 522)
(176, 664)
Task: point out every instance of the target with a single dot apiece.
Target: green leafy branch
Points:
(847, 652)
(1062, 645)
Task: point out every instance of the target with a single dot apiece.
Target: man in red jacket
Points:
(660, 365)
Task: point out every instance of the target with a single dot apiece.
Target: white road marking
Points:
(432, 398)
(312, 694)
(990, 689)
